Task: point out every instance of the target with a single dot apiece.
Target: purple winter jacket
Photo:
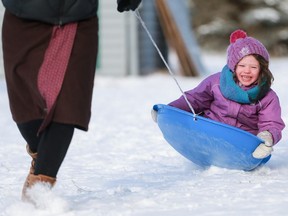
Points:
(208, 100)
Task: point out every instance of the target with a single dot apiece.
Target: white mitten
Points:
(154, 114)
(264, 149)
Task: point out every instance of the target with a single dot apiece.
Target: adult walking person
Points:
(50, 51)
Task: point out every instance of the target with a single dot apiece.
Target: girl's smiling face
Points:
(247, 70)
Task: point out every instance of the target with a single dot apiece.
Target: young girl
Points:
(240, 95)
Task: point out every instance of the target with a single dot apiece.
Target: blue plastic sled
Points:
(206, 142)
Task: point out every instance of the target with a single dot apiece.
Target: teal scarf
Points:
(234, 92)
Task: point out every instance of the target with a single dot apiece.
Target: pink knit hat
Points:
(241, 46)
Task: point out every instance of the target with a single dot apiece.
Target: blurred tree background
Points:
(266, 20)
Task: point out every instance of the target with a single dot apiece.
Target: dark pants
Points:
(51, 145)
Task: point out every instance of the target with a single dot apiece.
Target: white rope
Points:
(136, 12)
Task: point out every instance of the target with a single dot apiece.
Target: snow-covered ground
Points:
(123, 166)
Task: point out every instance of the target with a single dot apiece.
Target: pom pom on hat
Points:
(241, 45)
(236, 35)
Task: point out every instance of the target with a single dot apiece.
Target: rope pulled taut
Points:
(137, 14)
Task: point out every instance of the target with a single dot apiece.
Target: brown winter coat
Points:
(24, 45)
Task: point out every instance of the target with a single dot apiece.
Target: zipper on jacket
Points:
(61, 11)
